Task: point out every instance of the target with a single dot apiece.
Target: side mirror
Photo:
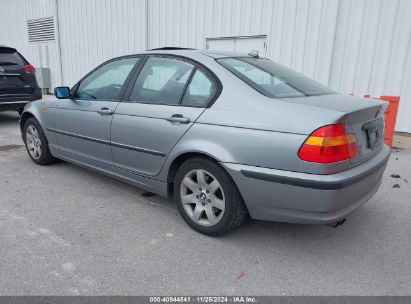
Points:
(62, 92)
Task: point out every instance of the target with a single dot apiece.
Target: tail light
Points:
(329, 144)
(29, 68)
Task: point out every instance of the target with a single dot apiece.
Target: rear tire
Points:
(36, 143)
(207, 198)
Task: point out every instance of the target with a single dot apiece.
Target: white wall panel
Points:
(371, 49)
(94, 31)
(399, 72)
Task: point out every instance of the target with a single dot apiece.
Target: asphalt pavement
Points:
(68, 231)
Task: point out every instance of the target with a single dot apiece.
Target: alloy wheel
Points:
(33, 142)
(202, 197)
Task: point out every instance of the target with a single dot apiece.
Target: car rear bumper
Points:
(285, 196)
(12, 105)
(15, 102)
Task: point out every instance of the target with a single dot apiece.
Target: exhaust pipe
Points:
(336, 224)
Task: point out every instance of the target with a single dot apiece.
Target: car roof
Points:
(172, 51)
(189, 52)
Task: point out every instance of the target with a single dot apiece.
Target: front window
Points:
(106, 82)
(272, 79)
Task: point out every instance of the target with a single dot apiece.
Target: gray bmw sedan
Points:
(225, 136)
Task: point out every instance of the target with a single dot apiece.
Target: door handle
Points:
(105, 111)
(178, 118)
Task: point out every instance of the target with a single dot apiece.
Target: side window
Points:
(106, 82)
(200, 90)
(161, 81)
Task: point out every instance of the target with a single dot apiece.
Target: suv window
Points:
(200, 90)
(10, 57)
(106, 82)
(161, 81)
(272, 79)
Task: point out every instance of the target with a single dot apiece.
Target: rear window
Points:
(272, 79)
(10, 57)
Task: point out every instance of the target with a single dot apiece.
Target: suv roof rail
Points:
(170, 48)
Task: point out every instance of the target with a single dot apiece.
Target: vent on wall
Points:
(41, 30)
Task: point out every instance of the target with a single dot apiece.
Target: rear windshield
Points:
(10, 57)
(272, 79)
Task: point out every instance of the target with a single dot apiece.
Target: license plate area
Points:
(10, 80)
(374, 131)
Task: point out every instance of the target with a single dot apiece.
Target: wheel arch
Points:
(178, 161)
(24, 117)
(38, 110)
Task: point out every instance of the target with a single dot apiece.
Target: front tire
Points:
(207, 198)
(36, 143)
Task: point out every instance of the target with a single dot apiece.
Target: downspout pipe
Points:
(147, 23)
(57, 20)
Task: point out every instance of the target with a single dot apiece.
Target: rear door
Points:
(16, 78)
(82, 124)
(165, 99)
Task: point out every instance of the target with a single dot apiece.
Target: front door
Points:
(166, 99)
(82, 124)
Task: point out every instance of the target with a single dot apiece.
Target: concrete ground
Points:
(65, 231)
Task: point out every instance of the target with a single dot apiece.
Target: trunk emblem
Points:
(1, 70)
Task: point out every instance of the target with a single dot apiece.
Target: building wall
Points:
(354, 46)
(94, 31)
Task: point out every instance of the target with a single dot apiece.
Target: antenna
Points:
(254, 53)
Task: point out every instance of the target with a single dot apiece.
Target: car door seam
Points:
(171, 150)
(97, 162)
(153, 152)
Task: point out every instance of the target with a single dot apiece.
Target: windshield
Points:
(272, 79)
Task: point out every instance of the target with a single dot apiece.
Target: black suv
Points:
(18, 84)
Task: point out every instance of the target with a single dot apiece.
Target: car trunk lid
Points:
(362, 117)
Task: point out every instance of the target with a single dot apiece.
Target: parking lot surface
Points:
(68, 231)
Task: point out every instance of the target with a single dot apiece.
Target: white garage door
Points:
(242, 44)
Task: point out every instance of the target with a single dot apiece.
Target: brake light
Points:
(29, 68)
(329, 144)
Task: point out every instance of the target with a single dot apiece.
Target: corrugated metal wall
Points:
(93, 31)
(355, 46)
